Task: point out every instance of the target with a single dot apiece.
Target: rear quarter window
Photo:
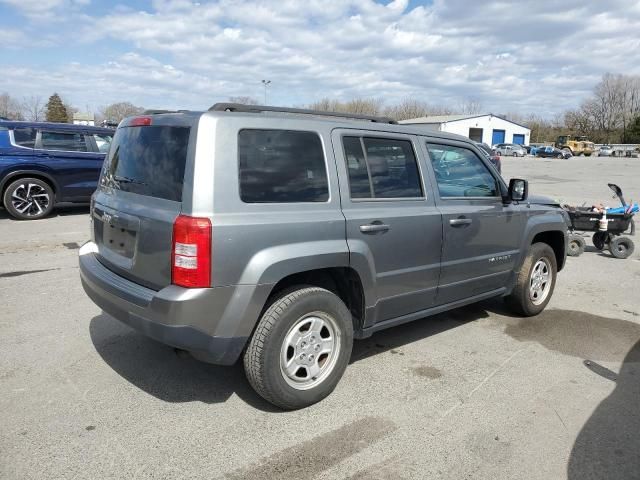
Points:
(281, 166)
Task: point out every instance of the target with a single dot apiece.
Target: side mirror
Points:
(518, 190)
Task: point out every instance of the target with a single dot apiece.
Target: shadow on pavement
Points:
(174, 376)
(396, 337)
(166, 373)
(608, 446)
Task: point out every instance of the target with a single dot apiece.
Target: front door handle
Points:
(374, 228)
(459, 222)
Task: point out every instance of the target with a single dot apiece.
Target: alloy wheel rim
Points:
(310, 350)
(540, 281)
(30, 199)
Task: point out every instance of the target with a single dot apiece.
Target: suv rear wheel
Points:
(300, 348)
(28, 199)
(535, 281)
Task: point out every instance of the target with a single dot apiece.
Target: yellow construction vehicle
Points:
(578, 145)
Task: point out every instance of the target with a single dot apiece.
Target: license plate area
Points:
(116, 234)
(119, 240)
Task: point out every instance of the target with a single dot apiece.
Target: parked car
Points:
(552, 152)
(42, 164)
(509, 149)
(491, 155)
(534, 149)
(279, 235)
(527, 149)
(605, 151)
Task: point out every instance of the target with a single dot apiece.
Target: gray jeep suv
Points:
(280, 235)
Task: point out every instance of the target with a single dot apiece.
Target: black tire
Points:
(21, 203)
(560, 155)
(621, 247)
(599, 240)
(284, 318)
(576, 246)
(520, 298)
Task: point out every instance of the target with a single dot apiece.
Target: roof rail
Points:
(239, 107)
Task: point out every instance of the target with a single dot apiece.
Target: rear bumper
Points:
(206, 321)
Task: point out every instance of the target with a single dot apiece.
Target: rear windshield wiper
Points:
(120, 179)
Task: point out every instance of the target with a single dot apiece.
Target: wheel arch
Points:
(40, 175)
(344, 282)
(557, 240)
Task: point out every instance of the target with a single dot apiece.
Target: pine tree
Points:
(56, 111)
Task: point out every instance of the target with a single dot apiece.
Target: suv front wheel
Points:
(535, 281)
(300, 348)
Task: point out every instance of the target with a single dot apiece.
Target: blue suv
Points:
(42, 164)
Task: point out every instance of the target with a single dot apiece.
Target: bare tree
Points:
(470, 106)
(34, 108)
(360, 106)
(408, 108)
(326, 105)
(117, 111)
(10, 108)
(364, 106)
(244, 100)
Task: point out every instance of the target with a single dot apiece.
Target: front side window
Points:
(68, 142)
(460, 172)
(25, 137)
(281, 166)
(103, 142)
(381, 168)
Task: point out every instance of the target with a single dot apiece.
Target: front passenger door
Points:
(481, 235)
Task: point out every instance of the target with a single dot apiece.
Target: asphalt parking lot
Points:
(474, 393)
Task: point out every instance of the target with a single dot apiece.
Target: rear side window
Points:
(25, 137)
(281, 166)
(148, 160)
(68, 142)
(382, 168)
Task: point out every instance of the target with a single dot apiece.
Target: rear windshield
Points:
(148, 160)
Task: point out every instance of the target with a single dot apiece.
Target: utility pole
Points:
(266, 83)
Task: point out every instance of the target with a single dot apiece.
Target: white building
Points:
(82, 118)
(486, 128)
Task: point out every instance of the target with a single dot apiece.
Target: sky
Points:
(539, 56)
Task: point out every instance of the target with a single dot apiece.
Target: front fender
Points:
(544, 221)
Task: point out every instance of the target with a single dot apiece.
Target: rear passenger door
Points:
(77, 166)
(393, 228)
(482, 235)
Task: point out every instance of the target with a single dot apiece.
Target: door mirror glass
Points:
(518, 190)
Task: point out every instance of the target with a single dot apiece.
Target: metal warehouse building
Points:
(486, 128)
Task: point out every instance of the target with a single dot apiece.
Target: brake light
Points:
(139, 122)
(191, 255)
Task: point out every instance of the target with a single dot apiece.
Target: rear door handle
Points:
(374, 228)
(459, 222)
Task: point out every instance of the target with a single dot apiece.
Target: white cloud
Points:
(188, 54)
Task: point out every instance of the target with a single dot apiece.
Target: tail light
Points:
(191, 256)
